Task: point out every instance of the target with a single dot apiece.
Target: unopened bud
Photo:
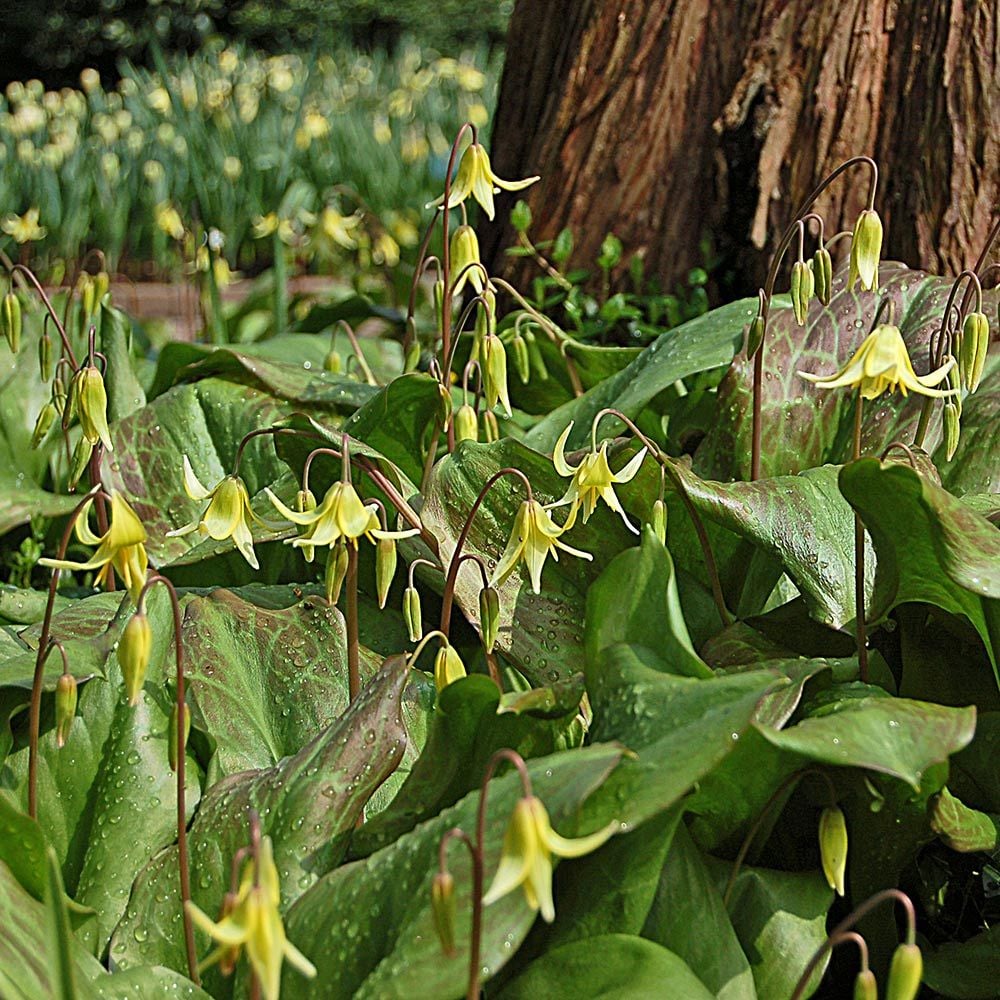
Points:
(133, 655)
(833, 847)
(10, 320)
(438, 301)
(45, 357)
(78, 463)
(520, 216)
(65, 707)
(466, 425)
(866, 249)
(411, 614)
(952, 430)
(445, 404)
(865, 986)
(305, 500)
(443, 911)
(489, 616)
(412, 359)
(905, 973)
(91, 400)
(802, 290)
(658, 519)
(495, 373)
(522, 360)
(823, 274)
(336, 571)
(59, 395)
(385, 568)
(538, 368)
(755, 335)
(102, 283)
(173, 751)
(975, 342)
(46, 418)
(88, 293)
(448, 666)
(491, 428)
(332, 362)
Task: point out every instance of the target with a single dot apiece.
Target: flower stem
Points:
(448, 596)
(838, 933)
(859, 561)
(786, 239)
(351, 617)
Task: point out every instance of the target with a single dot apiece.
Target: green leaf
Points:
(961, 828)
(308, 803)
(966, 970)
(610, 966)
(703, 343)
(931, 547)
(60, 937)
(539, 633)
(688, 917)
(125, 394)
(974, 468)
(147, 981)
(392, 949)
(635, 601)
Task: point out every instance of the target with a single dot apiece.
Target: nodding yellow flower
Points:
(526, 858)
(475, 176)
(24, 228)
(168, 218)
(464, 247)
(339, 228)
(533, 537)
(122, 547)
(341, 514)
(90, 399)
(228, 514)
(866, 248)
(253, 922)
(593, 479)
(882, 364)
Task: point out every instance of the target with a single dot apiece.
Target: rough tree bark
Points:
(664, 120)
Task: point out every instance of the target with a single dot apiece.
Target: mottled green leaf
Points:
(961, 828)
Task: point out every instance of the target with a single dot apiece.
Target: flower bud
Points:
(133, 655)
(65, 707)
(905, 973)
(412, 356)
(305, 500)
(489, 616)
(332, 362)
(495, 373)
(173, 751)
(464, 246)
(59, 395)
(336, 570)
(448, 666)
(102, 283)
(522, 360)
(823, 273)
(88, 293)
(466, 425)
(866, 249)
(443, 911)
(802, 290)
(520, 216)
(658, 520)
(952, 430)
(491, 428)
(91, 401)
(865, 986)
(833, 846)
(445, 405)
(10, 320)
(975, 342)
(486, 315)
(46, 418)
(755, 335)
(45, 357)
(535, 355)
(385, 567)
(411, 614)
(78, 463)
(438, 301)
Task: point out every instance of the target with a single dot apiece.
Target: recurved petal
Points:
(92, 563)
(185, 530)
(82, 526)
(629, 470)
(513, 870)
(243, 538)
(559, 453)
(192, 484)
(540, 880)
(229, 931)
(576, 847)
(296, 517)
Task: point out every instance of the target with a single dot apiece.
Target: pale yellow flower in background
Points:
(593, 479)
(882, 364)
(24, 228)
(526, 858)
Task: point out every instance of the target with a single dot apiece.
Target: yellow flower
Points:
(121, 547)
(228, 514)
(881, 363)
(593, 479)
(448, 666)
(254, 923)
(534, 536)
(90, 399)
(475, 176)
(24, 228)
(526, 858)
(339, 228)
(340, 515)
(866, 248)
(168, 219)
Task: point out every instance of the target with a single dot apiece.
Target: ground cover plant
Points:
(296, 701)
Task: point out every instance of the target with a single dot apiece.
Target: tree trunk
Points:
(665, 121)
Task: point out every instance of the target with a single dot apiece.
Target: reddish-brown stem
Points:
(445, 248)
(491, 660)
(351, 617)
(859, 561)
(772, 274)
(44, 647)
(476, 855)
(67, 347)
(183, 864)
(449, 583)
(247, 438)
(838, 933)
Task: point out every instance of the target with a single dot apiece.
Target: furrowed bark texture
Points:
(668, 120)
